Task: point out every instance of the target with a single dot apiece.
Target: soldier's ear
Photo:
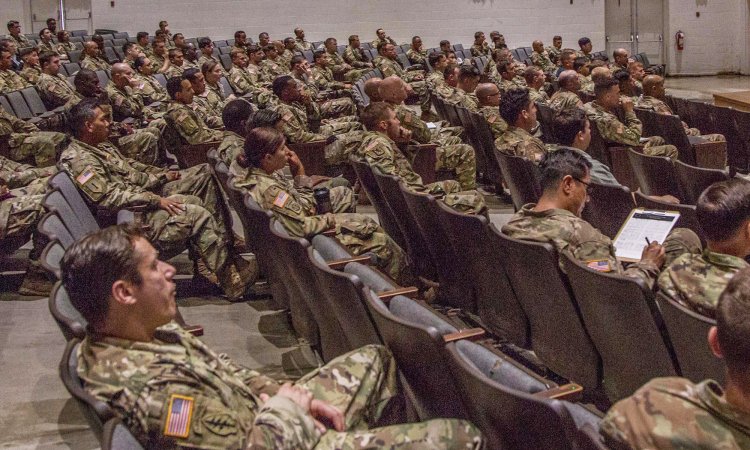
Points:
(122, 292)
(713, 342)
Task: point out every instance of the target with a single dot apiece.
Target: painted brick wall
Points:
(15, 10)
(520, 22)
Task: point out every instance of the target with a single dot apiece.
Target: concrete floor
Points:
(37, 412)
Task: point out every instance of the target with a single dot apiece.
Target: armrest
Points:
(571, 392)
(341, 263)
(425, 159)
(312, 155)
(191, 155)
(409, 291)
(463, 334)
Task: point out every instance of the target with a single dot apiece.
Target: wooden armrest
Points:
(425, 159)
(463, 334)
(312, 155)
(409, 291)
(571, 392)
(341, 263)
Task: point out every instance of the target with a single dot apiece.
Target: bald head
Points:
(393, 90)
(119, 68)
(488, 94)
(121, 74)
(568, 80)
(372, 89)
(652, 83)
(538, 46)
(600, 74)
(90, 48)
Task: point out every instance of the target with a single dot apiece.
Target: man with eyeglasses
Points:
(556, 219)
(488, 96)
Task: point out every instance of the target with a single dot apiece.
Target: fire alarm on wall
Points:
(112, 3)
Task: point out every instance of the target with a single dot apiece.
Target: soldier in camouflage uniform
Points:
(674, 413)
(146, 86)
(382, 38)
(186, 212)
(243, 83)
(417, 54)
(9, 79)
(159, 60)
(380, 152)
(46, 45)
(480, 47)
(64, 46)
(206, 111)
(555, 49)
(337, 64)
(330, 108)
(452, 153)
(342, 135)
(236, 116)
(31, 70)
(53, 86)
(506, 79)
(141, 40)
(206, 47)
(556, 219)
(519, 112)
(567, 96)
(653, 99)
(181, 118)
(389, 65)
(229, 406)
(273, 66)
(535, 81)
(92, 59)
(696, 281)
(541, 59)
(436, 79)
(24, 140)
(257, 74)
(323, 75)
(488, 96)
(354, 55)
(612, 130)
(14, 34)
(586, 46)
(177, 64)
(288, 52)
(459, 84)
(300, 43)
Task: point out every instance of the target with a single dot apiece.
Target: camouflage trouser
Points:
(360, 234)
(337, 107)
(41, 145)
(197, 181)
(469, 202)
(709, 137)
(420, 89)
(142, 145)
(194, 228)
(461, 159)
(361, 384)
(342, 198)
(355, 74)
(338, 151)
(678, 242)
(447, 135)
(656, 146)
(340, 125)
(19, 215)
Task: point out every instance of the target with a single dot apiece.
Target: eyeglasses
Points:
(588, 185)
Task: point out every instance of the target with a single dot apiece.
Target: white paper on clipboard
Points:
(643, 224)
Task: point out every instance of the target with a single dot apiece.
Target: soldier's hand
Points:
(299, 395)
(347, 86)
(172, 207)
(653, 253)
(328, 414)
(172, 175)
(295, 165)
(627, 104)
(404, 135)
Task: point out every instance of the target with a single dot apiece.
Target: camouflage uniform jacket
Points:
(257, 75)
(295, 126)
(147, 50)
(55, 89)
(206, 111)
(610, 127)
(506, 85)
(10, 125)
(151, 90)
(11, 81)
(697, 281)
(31, 73)
(20, 40)
(654, 104)
(231, 146)
(108, 179)
(380, 152)
(543, 61)
(388, 39)
(189, 125)
(565, 99)
(336, 62)
(16, 175)
(242, 84)
(390, 67)
(417, 57)
(49, 47)
(272, 69)
(125, 103)
(480, 50)
(302, 45)
(175, 71)
(204, 59)
(285, 58)
(569, 233)
(355, 57)
(492, 115)
(589, 56)
(323, 77)
(538, 96)
(518, 142)
(95, 63)
(553, 52)
(587, 84)
(144, 381)
(674, 413)
(157, 62)
(434, 80)
(64, 48)
(412, 122)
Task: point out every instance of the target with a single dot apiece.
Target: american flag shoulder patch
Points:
(179, 414)
(85, 175)
(600, 265)
(281, 199)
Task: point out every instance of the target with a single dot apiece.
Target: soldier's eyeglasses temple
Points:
(588, 185)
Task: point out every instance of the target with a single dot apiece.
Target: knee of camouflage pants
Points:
(461, 159)
(680, 241)
(141, 146)
(656, 147)
(343, 199)
(43, 146)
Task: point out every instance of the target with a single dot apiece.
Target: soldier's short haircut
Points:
(329, 40)
(450, 70)
(61, 34)
(583, 41)
(173, 52)
(12, 23)
(353, 38)
(84, 75)
(317, 54)
(445, 42)
(557, 38)
(160, 33)
(191, 73)
(512, 103)
(554, 166)
(374, 113)
(567, 123)
(176, 35)
(81, 113)
(414, 38)
(139, 62)
(162, 23)
(478, 34)
(236, 114)
(434, 58)
(41, 32)
(289, 40)
(140, 35)
(382, 45)
(174, 86)
(46, 57)
(260, 142)
(603, 86)
(24, 52)
(238, 34)
(468, 71)
(126, 47)
(723, 208)
(252, 48)
(530, 73)
(269, 48)
(204, 42)
(733, 324)
(505, 66)
(280, 83)
(264, 118)
(92, 265)
(579, 62)
(208, 66)
(296, 59)
(237, 51)
(263, 33)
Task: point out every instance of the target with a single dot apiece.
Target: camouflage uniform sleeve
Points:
(629, 133)
(56, 94)
(419, 129)
(192, 130)
(17, 175)
(294, 131)
(292, 215)
(21, 126)
(240, 85)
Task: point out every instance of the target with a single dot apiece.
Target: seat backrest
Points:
(703, 116)
(226, 61)
(688, 332)
(116, 436)
(403, 60)
(62, 182)
(342, 294)
(455, 288)
(608, 207)
(20, 107)
(509, 418)
(673, 132)
(5, 104)
(738, 145)
(55, 201)
(74, 56)
(694, 180)
(52, 256)
(227, 87)
(94, 410)
(414, 335)
(558, 336)
(480, 254)
(624, 323)
(521, 176)
(688, 217)
(52, 226)
(590, 439)
(34, 101)
(545, 121)
(71, 322)
(655, 174)
(72, 68)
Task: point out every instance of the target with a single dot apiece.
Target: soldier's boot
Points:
(202, 275)
(237, 276)
(36, 282)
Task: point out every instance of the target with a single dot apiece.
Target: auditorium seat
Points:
(52, 256)
(694, 180)
(116, 436)
(52, 226)
(655, 174)
(522, 178)
(71, 322)
(608, 207)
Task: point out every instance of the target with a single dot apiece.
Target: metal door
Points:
(637, 26)
(41, 10)
(77, 15)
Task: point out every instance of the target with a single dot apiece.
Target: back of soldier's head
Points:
(567, 123)
(174, 86)
(513, 102)
(468, 72)
(601, 87)
(554, 166)
(280, 83)
(723, 209)
(236, 115)
(733, 325)
(374, 113)
(434, 58)
(80, 114)
(91, 266)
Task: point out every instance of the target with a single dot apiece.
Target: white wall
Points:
(714, 42)
(520, 22)
(15, 10)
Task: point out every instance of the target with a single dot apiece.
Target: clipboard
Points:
(640, 225)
